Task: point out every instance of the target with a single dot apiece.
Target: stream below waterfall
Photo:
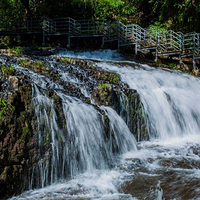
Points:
(165, 167)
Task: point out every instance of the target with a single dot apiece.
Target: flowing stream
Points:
(166, 166)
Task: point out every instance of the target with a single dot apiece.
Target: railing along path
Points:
(162, 42)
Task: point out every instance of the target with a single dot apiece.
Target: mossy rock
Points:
(7, 70)
(103, 94)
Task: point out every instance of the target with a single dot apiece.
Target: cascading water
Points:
(166, 166)
(169, 99)
(82, 148)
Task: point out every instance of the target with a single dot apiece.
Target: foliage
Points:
(65, 59)
(5, 41)
(113, 78)
(112, 10)
(17, 50)
(181, 15)
(7, 70)
(104, 88)
(5, 108)
(24, 63)
(38, 65)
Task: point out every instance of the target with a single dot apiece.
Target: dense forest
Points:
(179, 15)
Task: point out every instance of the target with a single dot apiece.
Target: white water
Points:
(101, 55)
(170, 99)
(171, 103)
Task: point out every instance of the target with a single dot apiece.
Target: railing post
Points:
(18, 38)
(18, 26)
(180, 59)
(136, 48)
(118, 42)
(157, 38)
(31, 24)
(193, 42)
(102, 42)
(156, 59)
(171, 39)
(43, 38)
(69, 42)
(69, 24)
(198, 43)
(183, 43)
(193, 62)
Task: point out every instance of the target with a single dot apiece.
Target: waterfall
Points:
(85, 142)
(169, 99)
(91, 153)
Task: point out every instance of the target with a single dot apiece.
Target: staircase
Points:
(163, 42)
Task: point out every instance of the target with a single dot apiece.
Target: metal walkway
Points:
(163, 43)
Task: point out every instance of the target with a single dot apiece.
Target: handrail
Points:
(164, 40)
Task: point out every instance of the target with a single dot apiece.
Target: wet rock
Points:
(19, 148)
(15, 133)
(13, 82)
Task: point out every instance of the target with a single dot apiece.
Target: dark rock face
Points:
(19, 149)
(16, 134)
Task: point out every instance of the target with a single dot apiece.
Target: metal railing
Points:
(163, 40)
(49, 25)
(92, 26)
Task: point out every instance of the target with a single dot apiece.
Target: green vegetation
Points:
(102, 76)
(38, 65)
(182, 15)
(7, 70)
(17, 50)
(93, 67)
(113, 78)
(173, 65)
(24, 63)
(5, 40)
(65, 59)
(88, 100)
(104, 86)
(104, 89)
(5, 108)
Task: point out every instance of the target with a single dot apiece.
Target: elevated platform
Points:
(148, 40)
(146, 48)
(86, 36)
(169, 53)
(7, 33)
(54, 34)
